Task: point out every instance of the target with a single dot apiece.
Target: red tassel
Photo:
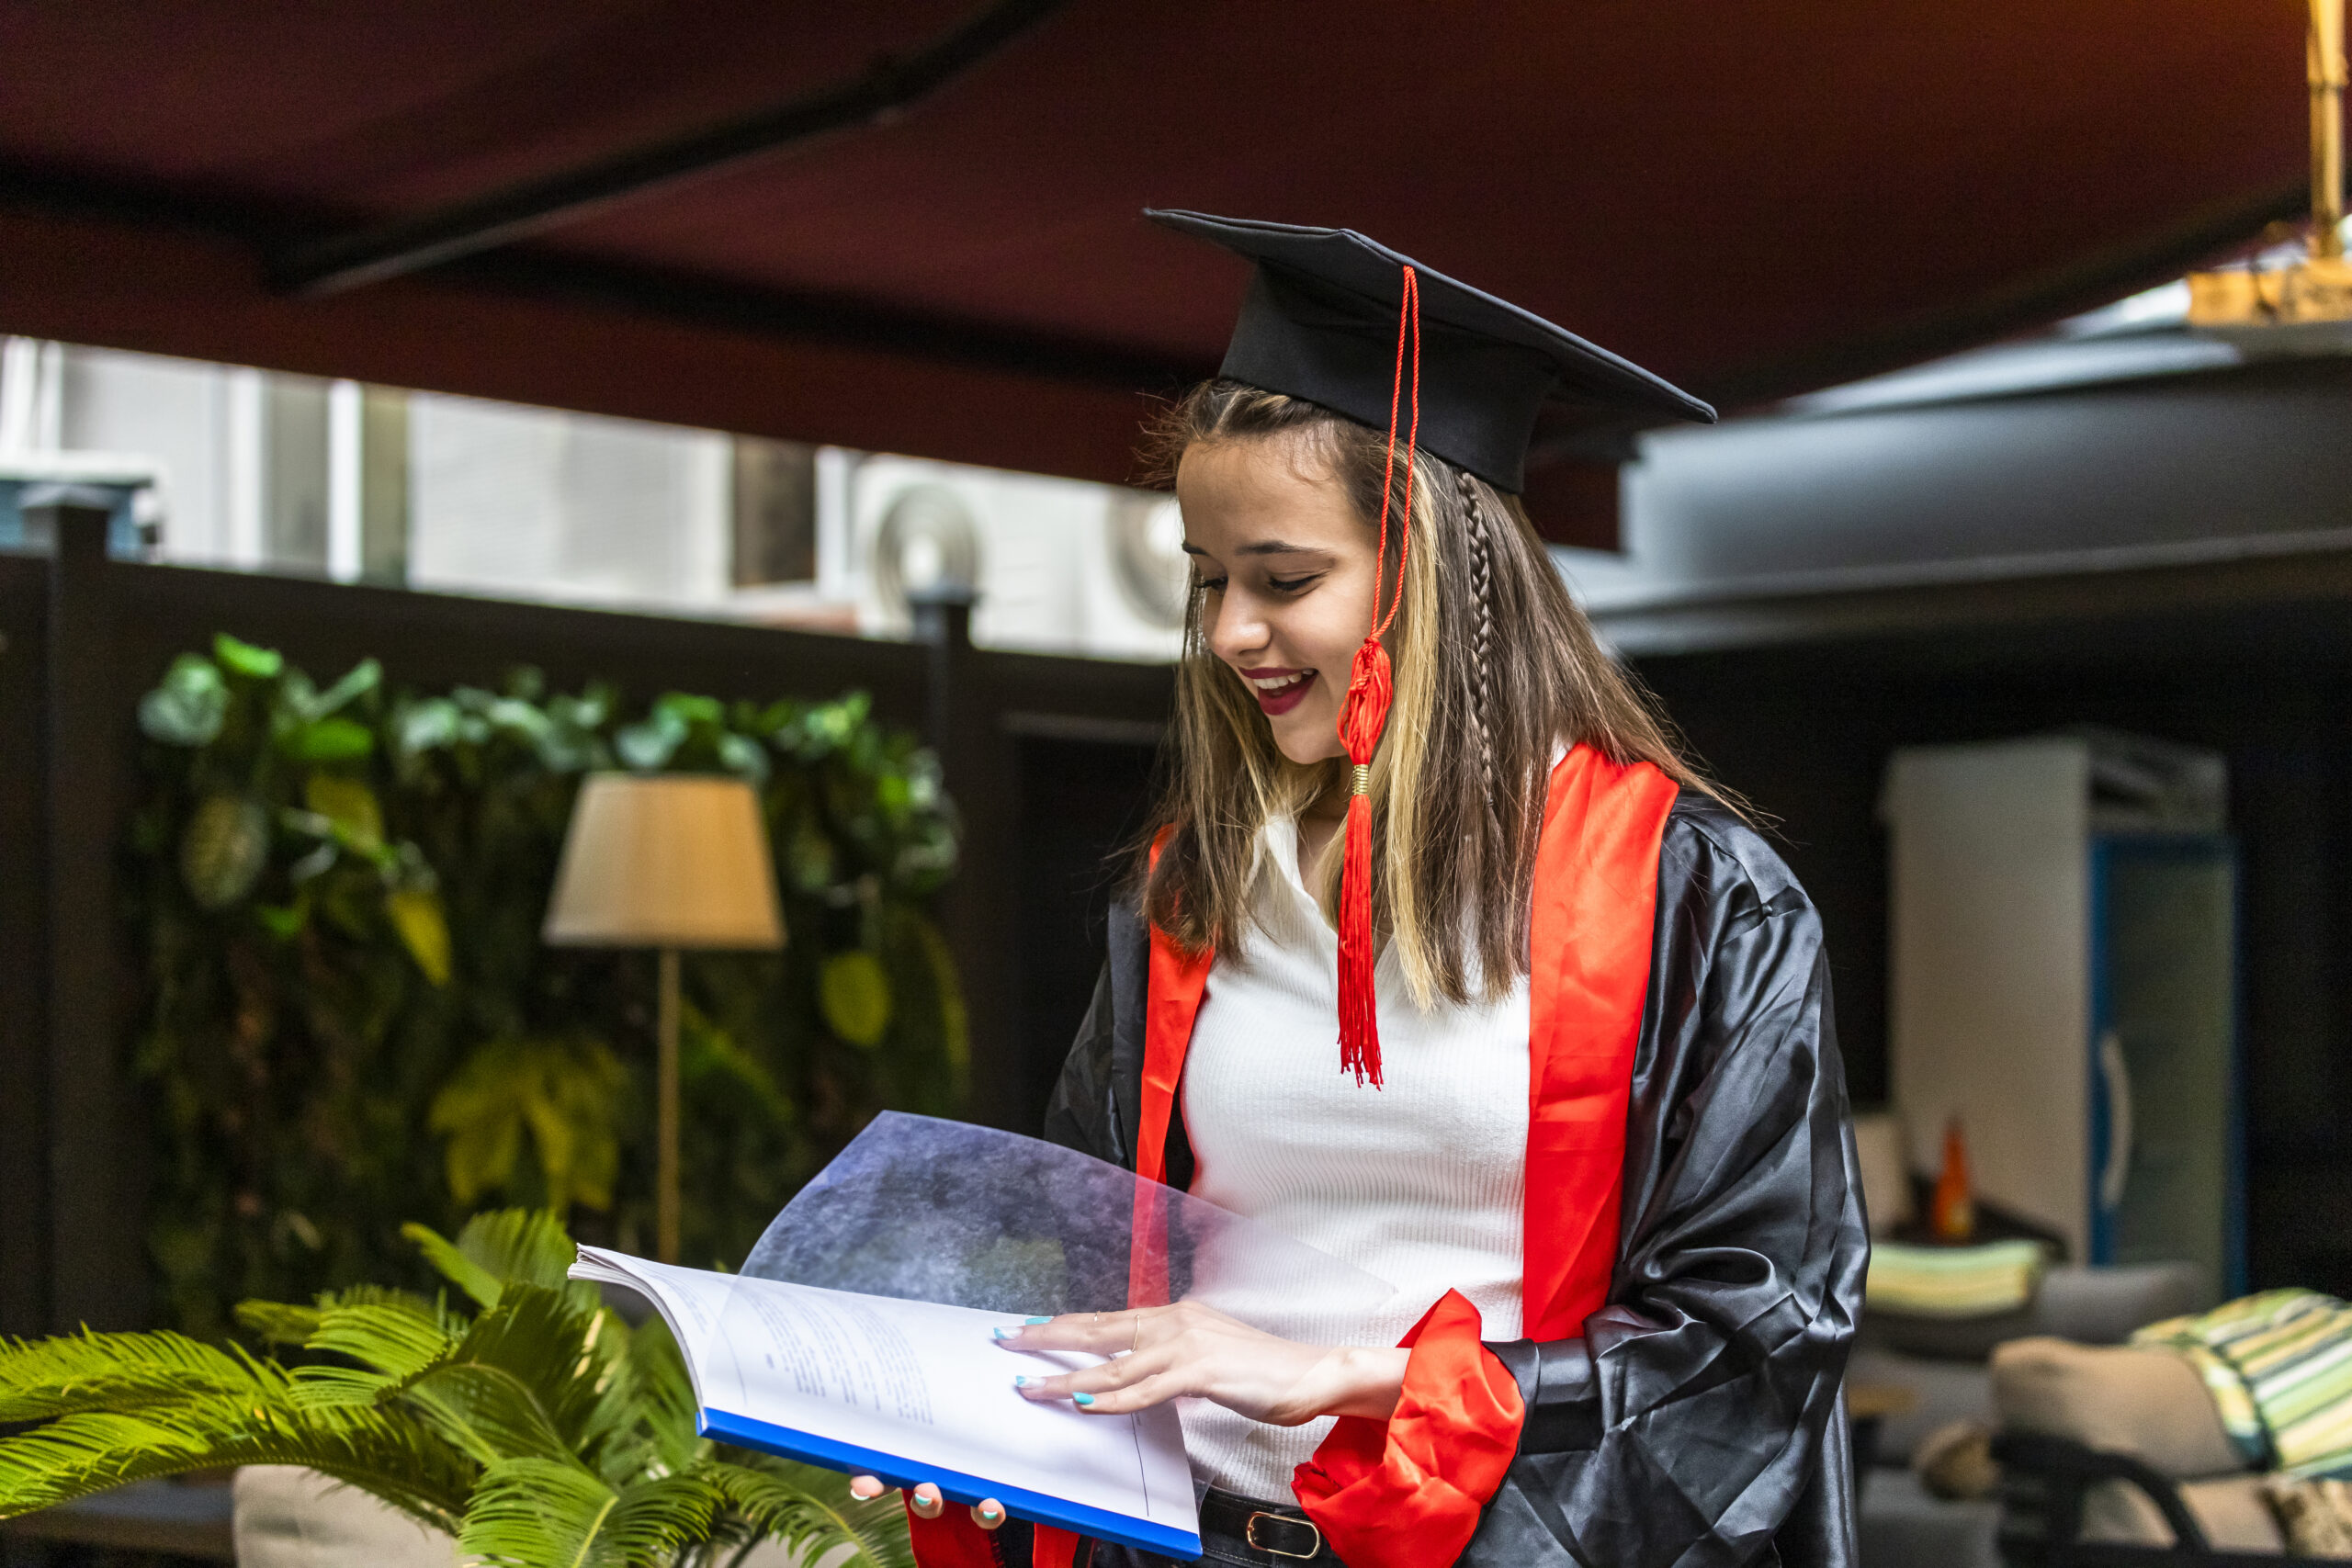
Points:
(1359, 1019)
(1364, 713)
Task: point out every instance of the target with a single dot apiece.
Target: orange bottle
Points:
(1952, 1214)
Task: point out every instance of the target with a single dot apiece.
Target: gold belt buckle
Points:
(1250, 1534)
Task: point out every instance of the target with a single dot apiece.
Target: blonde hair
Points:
(1495, 668)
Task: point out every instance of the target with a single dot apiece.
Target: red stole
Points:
(1588, 980)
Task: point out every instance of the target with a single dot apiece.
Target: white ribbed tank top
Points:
(1420, 1183)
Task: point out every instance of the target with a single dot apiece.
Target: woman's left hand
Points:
(1160, 1353)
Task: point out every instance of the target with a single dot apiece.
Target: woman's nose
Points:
(1238, 629)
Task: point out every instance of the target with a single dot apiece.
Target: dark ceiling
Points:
(1753, 199)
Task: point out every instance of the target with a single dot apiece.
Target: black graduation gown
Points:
(1700, 1419)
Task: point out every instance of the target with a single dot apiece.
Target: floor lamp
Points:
(669, 862)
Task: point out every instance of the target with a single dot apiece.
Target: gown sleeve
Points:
(1409, 1490)
(1699, 1420)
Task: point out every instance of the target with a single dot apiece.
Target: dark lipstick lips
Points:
(1275, 703)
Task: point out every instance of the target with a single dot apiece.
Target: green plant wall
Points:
(349, 1019)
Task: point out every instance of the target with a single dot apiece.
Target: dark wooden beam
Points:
(872, 382)
(884, 93)
(531, 272)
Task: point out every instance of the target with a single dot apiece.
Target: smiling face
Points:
(1287, 568)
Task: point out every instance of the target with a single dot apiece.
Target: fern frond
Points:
(524, 1383)
(400, 1337)
(541, 1338)
(647, 1408)
(617, 1411)
(526, 1245)
(489, 1412)
(671, 1412)
(277, 1323)
(659, 1515)
(328, 1388)
(453, 1265)
(813, 1510)
(284, 1323)
(45, 1378)
(397, 1339)
(533, 1513)
(453, 1322)
(388, 1454)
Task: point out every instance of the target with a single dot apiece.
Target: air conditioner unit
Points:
(1057, 566)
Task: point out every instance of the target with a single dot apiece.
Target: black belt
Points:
(1264, 1535)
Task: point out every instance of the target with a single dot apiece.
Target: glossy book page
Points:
(914, 1391)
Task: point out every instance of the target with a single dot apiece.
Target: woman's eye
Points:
(1291, 585)
(1212, 584)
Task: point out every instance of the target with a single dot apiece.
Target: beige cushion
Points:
(2232, 1512)
(290, 1517)
(2148, 1403)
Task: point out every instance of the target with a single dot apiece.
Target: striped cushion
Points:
(2279, 1366)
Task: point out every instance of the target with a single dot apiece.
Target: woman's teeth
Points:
(1274, 685)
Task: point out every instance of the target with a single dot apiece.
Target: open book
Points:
(911, 1392)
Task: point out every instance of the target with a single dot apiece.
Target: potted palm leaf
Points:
(526, 1419)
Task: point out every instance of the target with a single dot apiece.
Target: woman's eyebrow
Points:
(1266, 548)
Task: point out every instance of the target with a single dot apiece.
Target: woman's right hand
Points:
(988, 1513)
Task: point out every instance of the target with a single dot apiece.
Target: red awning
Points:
(1753, 200)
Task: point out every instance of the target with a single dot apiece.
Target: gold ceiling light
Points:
(2317, 288)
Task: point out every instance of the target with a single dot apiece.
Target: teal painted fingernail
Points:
(1037, 1320)
(1004, 1332)
(1083, 1398)
(987, 1512)
(1021, 1382)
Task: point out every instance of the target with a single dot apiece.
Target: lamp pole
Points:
(663, 863)
(665, 1180)
(2325, 60)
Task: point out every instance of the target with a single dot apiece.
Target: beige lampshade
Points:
(665, 859)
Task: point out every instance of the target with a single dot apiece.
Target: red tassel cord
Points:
(1365, 712)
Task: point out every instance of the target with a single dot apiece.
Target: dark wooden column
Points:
(975, 754)
(95, 1218)
(24, 948)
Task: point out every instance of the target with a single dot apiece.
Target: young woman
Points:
(1585, 1108)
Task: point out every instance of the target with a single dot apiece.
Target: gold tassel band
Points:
(1363, 785)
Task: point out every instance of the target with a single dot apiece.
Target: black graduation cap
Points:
(1319, 322)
